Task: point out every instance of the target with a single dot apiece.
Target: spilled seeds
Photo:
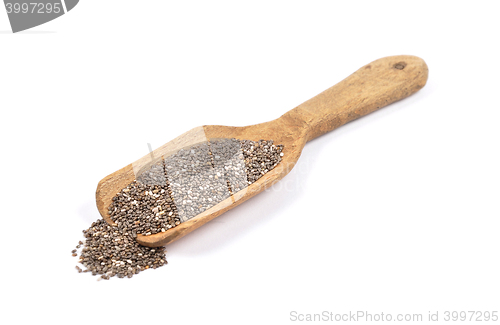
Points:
(170, 191)
(110, 251)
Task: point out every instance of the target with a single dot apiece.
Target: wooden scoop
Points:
(374, 86)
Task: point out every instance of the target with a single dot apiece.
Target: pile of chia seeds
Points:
(110, 251)
(170, 191)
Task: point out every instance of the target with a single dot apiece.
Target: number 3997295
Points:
(33, 7)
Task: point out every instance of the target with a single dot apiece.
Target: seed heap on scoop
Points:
(185, 184)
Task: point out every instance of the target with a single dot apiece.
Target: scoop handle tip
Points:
(370, 88)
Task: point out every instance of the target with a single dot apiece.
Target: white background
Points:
(397, 212)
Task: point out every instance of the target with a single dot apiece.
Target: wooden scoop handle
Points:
(374, 86)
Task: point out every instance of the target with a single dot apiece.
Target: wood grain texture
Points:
(373, 86)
